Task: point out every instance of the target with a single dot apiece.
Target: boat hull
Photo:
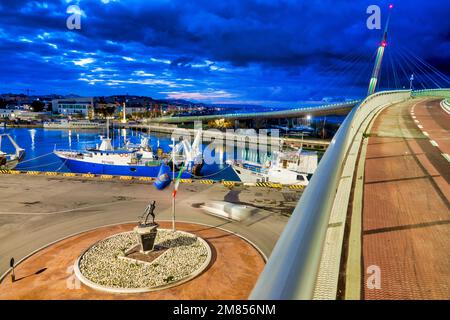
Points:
(9, 165)
(276, 176)
(119, 170)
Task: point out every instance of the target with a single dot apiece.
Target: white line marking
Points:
(445, 106)
(416, 121)
(434, 143)
(420, 126)
(446, 156)
(425, 133)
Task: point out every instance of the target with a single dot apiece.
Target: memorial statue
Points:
(148, 212)
(146, 231)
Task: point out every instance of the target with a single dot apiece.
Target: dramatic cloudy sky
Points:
(233, 51)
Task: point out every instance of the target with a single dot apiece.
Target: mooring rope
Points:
(38, 157)
(61, 165)
(42, 165)
(210, 175)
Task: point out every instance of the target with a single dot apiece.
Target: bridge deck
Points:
(406, 211)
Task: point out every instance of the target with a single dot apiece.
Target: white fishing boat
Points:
(73, 124)
(283, 167)
(138, 160)
(9, 161)
(133, 159)
(104, 159)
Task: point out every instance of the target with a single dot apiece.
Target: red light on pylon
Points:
(391, 6)
(383, 43)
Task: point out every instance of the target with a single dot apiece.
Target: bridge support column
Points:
(290, 123)
(259, 123)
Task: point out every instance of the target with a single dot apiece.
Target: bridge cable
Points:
(404, 65)
(442, 75)
(417, 67)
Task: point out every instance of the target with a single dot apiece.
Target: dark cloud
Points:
(274, 52)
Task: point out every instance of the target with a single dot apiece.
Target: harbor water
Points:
(40, 143)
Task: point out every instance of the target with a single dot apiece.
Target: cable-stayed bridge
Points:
(374, 222)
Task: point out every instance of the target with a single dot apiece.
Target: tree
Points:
(106, 111)
(37, 106)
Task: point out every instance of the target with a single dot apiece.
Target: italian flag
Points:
(177, 182)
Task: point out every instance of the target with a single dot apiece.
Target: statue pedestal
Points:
(146, 236)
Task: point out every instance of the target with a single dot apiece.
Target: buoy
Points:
(163, 179)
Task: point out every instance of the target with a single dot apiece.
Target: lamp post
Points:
(124, 113)
(173, 182)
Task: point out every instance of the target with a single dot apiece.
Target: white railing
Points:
(254, 115)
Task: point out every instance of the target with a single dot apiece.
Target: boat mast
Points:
(107, 127)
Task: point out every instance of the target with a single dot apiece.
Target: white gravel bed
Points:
(100, 263)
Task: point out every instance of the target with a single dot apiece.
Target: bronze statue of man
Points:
(149, 211)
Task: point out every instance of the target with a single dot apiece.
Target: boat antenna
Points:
(107, 127)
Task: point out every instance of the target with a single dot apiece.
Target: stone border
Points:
(99, 287)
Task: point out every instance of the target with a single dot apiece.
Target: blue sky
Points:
(236, 51)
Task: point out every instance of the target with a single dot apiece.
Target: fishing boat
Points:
(283, 167)
(73, 124)
(9, 161)
(133, 160)
(107, 160)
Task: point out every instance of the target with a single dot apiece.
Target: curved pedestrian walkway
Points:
(405, 209)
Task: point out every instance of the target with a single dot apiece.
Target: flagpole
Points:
(173, 181)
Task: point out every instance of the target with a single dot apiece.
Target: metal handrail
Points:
(292, 268)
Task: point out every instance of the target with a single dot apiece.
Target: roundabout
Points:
(110, 265)
(228, 271)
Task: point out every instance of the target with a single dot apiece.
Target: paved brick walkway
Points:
(406, 212)
(232, 273)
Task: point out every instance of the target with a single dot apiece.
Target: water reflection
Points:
(41, 142)
(33, 136)
(70, 139)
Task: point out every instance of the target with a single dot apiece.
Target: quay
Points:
(41, 209)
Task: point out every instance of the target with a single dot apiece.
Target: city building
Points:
(74, 106)
(6, 113)
(131, 110)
